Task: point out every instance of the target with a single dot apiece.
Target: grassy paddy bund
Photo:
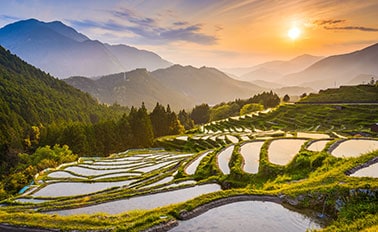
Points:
(226, 169)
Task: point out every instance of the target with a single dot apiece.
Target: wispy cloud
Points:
(329, 21)
(334, 24)
(369, 29)
(132, 17)
(150, 30)
(9, 17)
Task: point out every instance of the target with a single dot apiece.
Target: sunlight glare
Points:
(294, 33)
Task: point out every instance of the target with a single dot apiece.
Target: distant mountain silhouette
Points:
(62, 51)
(362, 79)
(274, 70)
(337, 70)
(181, 87)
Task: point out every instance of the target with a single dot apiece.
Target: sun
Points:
(294, 33)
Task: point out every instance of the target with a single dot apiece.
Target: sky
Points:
(216, 33)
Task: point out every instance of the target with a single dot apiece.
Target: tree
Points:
(141, 127)
(303, 95)
(252, 107)
(185, 120)
(286, 98)
(268, 99)
(200, 114)
(159, 120)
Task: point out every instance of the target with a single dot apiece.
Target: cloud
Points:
(147, 30)
(369, 29)
(180, 23)
(334, 24)
(189, 33)
(132, 17)
(9, 17)
(328, 22)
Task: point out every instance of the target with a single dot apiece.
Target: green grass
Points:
(359, 93)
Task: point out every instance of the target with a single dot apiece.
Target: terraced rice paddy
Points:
(370, 171)
(145, 202)
(62, 189)
(317, 145)
(312, 135)
(355, 147)
(191, 169)
(249, 216)
(251, 155)
(282, 151)
(93, 175)
(147, 179)
(224, 158)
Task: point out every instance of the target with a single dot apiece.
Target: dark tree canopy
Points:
(201, 114)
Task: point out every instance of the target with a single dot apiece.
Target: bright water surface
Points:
(248, 216)
(191, 169)
(282, 151)
(370, 171)
(312, 135)
(251, 156)
(145, 202)
(317, 145)
(76, 188)
(224, 158)
(355, 148)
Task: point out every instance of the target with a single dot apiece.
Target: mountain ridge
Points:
(182, 87)
(62, 51)
(337, 70)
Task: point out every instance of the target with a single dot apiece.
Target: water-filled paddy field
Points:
(148, 179)
(249, 216)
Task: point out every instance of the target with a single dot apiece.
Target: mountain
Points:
(205, 85)
(63, 52)
(130, 89)
(337, 70)
(274, 70)
(30, 97)
(180, 87)
(362, 79)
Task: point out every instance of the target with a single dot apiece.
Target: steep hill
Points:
(29, 97)
(62, 51)
(337, 70)
(180, 87)
(348, 94)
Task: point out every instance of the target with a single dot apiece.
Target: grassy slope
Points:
(359, 93)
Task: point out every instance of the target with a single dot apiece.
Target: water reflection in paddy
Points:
(251, 156)
(370, 171)
(224, 158)
(355, 147)
(145, 202)
(82, 171)
(76, 188)
(282, 151)
(191, 169)
(248, 216)
(317, 145)
(312, 135)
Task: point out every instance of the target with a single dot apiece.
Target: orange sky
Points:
(219, 33)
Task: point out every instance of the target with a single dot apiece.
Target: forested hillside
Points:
(31, 99)
(39, 111)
